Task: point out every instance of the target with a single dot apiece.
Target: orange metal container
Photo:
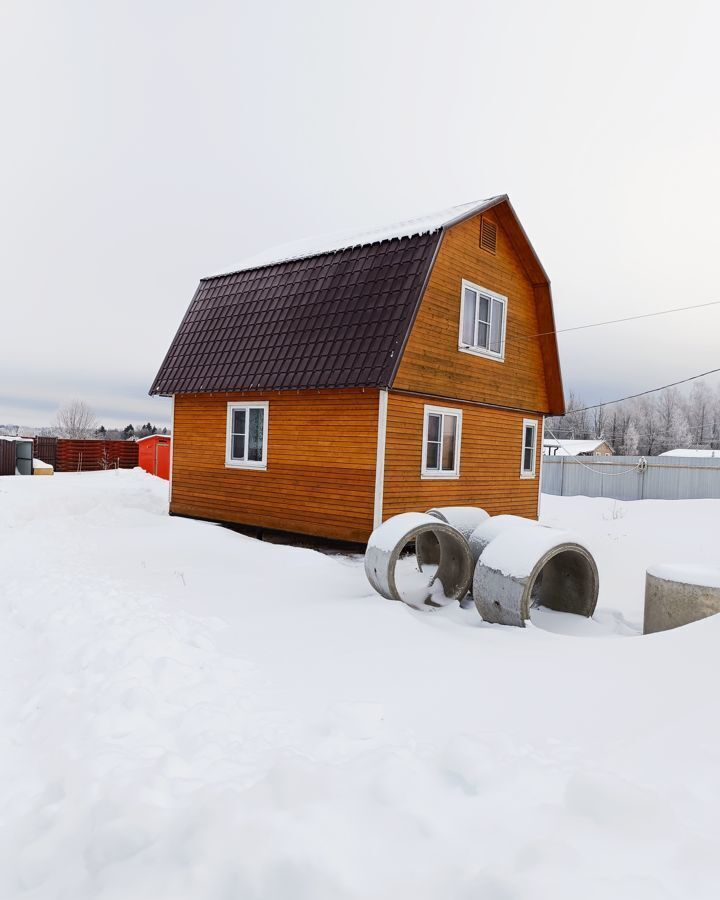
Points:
(154, 455)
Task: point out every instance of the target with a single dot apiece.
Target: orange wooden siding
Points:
(432, 363)
(490, 456)
(320, 476)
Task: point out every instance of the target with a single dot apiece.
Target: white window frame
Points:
(525, 473)
(441, 411)
(471, 348)
(247, 405)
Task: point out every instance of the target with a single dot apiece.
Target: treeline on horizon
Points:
(646, 426)
(101, 433)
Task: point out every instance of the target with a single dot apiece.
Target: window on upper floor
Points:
(482, 321)
(441, 442)
(529, 447)
(246, 439)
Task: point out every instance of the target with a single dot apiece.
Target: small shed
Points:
(154, 455)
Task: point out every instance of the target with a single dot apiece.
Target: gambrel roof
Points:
(328, 313)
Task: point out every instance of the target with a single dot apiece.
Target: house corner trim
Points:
(541, 468)
(172, 447)
(380, 458)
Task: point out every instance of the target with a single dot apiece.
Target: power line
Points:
(660, 312)
(511, 333)
(645, 393)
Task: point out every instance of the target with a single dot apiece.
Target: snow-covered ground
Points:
(188, 713)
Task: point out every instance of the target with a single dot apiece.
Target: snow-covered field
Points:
(188, 713)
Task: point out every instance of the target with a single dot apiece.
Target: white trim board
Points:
(172, 446)
(380, 458)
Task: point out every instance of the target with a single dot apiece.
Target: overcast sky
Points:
(146, 144)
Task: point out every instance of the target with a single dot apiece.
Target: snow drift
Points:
(172, 728)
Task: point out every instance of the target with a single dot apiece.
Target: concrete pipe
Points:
(524, 567)
(451, 580)
(465, 518)
(491, 528)
(676, 595)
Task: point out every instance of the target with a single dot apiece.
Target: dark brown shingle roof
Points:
(335, 320)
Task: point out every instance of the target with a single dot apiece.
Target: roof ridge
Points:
(347, 240)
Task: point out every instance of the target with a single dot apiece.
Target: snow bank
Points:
(626, 538)
(175, 725)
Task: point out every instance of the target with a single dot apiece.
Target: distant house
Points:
(698, 454)
(321, 389)
(576, 448)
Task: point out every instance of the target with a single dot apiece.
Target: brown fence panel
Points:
(7, 457)
(124, 454)
(93, 456)
(45, 448)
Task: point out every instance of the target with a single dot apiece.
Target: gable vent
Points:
(488, 235)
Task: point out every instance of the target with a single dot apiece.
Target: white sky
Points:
(145, 145)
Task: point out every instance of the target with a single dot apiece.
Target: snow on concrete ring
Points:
(465, 518)
(524, 567)
(451, 580)
(489, 529)
(677, 594)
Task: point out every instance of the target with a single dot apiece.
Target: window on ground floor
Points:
(247, 427)
(441, 442)
(529, 446)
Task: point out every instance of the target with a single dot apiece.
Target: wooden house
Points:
(324, 388)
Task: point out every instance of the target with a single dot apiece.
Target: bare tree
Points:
(75, 420)
(648, 425)
(575, 424)
(699, 413)
(599, 421)
(632, 440)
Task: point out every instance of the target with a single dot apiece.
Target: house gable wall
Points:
(432, 363)
(490, 456)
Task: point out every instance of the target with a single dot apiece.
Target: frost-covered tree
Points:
(699, 413)
(631, 443)
(75, 420)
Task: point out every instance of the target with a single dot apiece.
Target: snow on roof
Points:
(708, 454)
(331, 243)
(148, 436)
(573, 448)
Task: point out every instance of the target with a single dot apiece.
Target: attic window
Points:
(488, 235)
(482, 321)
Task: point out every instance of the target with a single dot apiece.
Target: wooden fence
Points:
(73, 456)
(45, 448)
(7, 457)
(93, 456)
